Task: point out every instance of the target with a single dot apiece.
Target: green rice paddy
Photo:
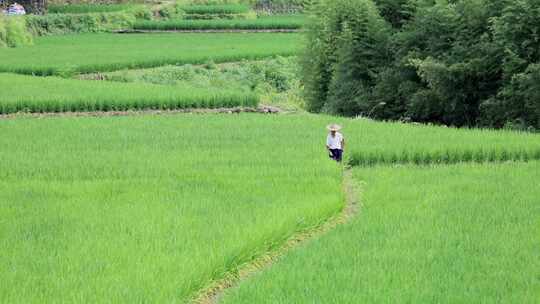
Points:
(89, 53)
(454, 234)
(21, 93)
(285, 22)
(215, 9)
(150, 208)
(155, 208)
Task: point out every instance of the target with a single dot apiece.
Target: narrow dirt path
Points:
(213, 293)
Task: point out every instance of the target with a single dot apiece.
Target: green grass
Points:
(150, 209)
(108, 52)
(262, 23)
(274, 80)
(458, 234)
(215, 9)
(22, 93)
(87, 8)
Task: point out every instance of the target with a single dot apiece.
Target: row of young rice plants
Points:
(424, 145)
(443, 234)
(87, 8)
(215, 9)
(371, 143)
(151, 209)
(286, 22)
(21, 93)
(87, 53)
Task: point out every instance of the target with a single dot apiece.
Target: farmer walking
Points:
(335, 143)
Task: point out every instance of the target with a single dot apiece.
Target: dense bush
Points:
(461, 62)
(13, 32)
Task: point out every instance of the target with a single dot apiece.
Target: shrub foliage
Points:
(13, 32)
(461, 63)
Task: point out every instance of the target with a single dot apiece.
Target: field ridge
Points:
(213, 293)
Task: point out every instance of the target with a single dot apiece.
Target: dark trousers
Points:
(336, 154)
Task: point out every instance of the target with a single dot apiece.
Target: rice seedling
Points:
(87, 53)
(264, 23)
(22, 93)
(215, 9)
(455, 234)
(87, 8)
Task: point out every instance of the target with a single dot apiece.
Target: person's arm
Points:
(328, 143)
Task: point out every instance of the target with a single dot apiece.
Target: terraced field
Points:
(22, 93)
(156, 208)
(51, 94)
(445, 234)
(286, 22)
(173, 208)
(150, 209)
(88, 53)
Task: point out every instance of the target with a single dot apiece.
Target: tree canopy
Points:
(455, 62)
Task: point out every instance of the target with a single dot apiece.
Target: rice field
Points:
(215, 9)
(373, 143)
(88, 53)
(286, 22)
(21, 93)
(454, 234)
(155, 208)
(150, 208)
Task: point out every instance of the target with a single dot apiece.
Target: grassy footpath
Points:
(22, 93)
(287, 22)
(457, 234)
(108, 52)
(150, 209)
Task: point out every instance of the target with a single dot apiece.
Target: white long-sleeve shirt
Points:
(335, 142)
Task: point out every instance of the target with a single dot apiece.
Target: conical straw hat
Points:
(333, 127)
